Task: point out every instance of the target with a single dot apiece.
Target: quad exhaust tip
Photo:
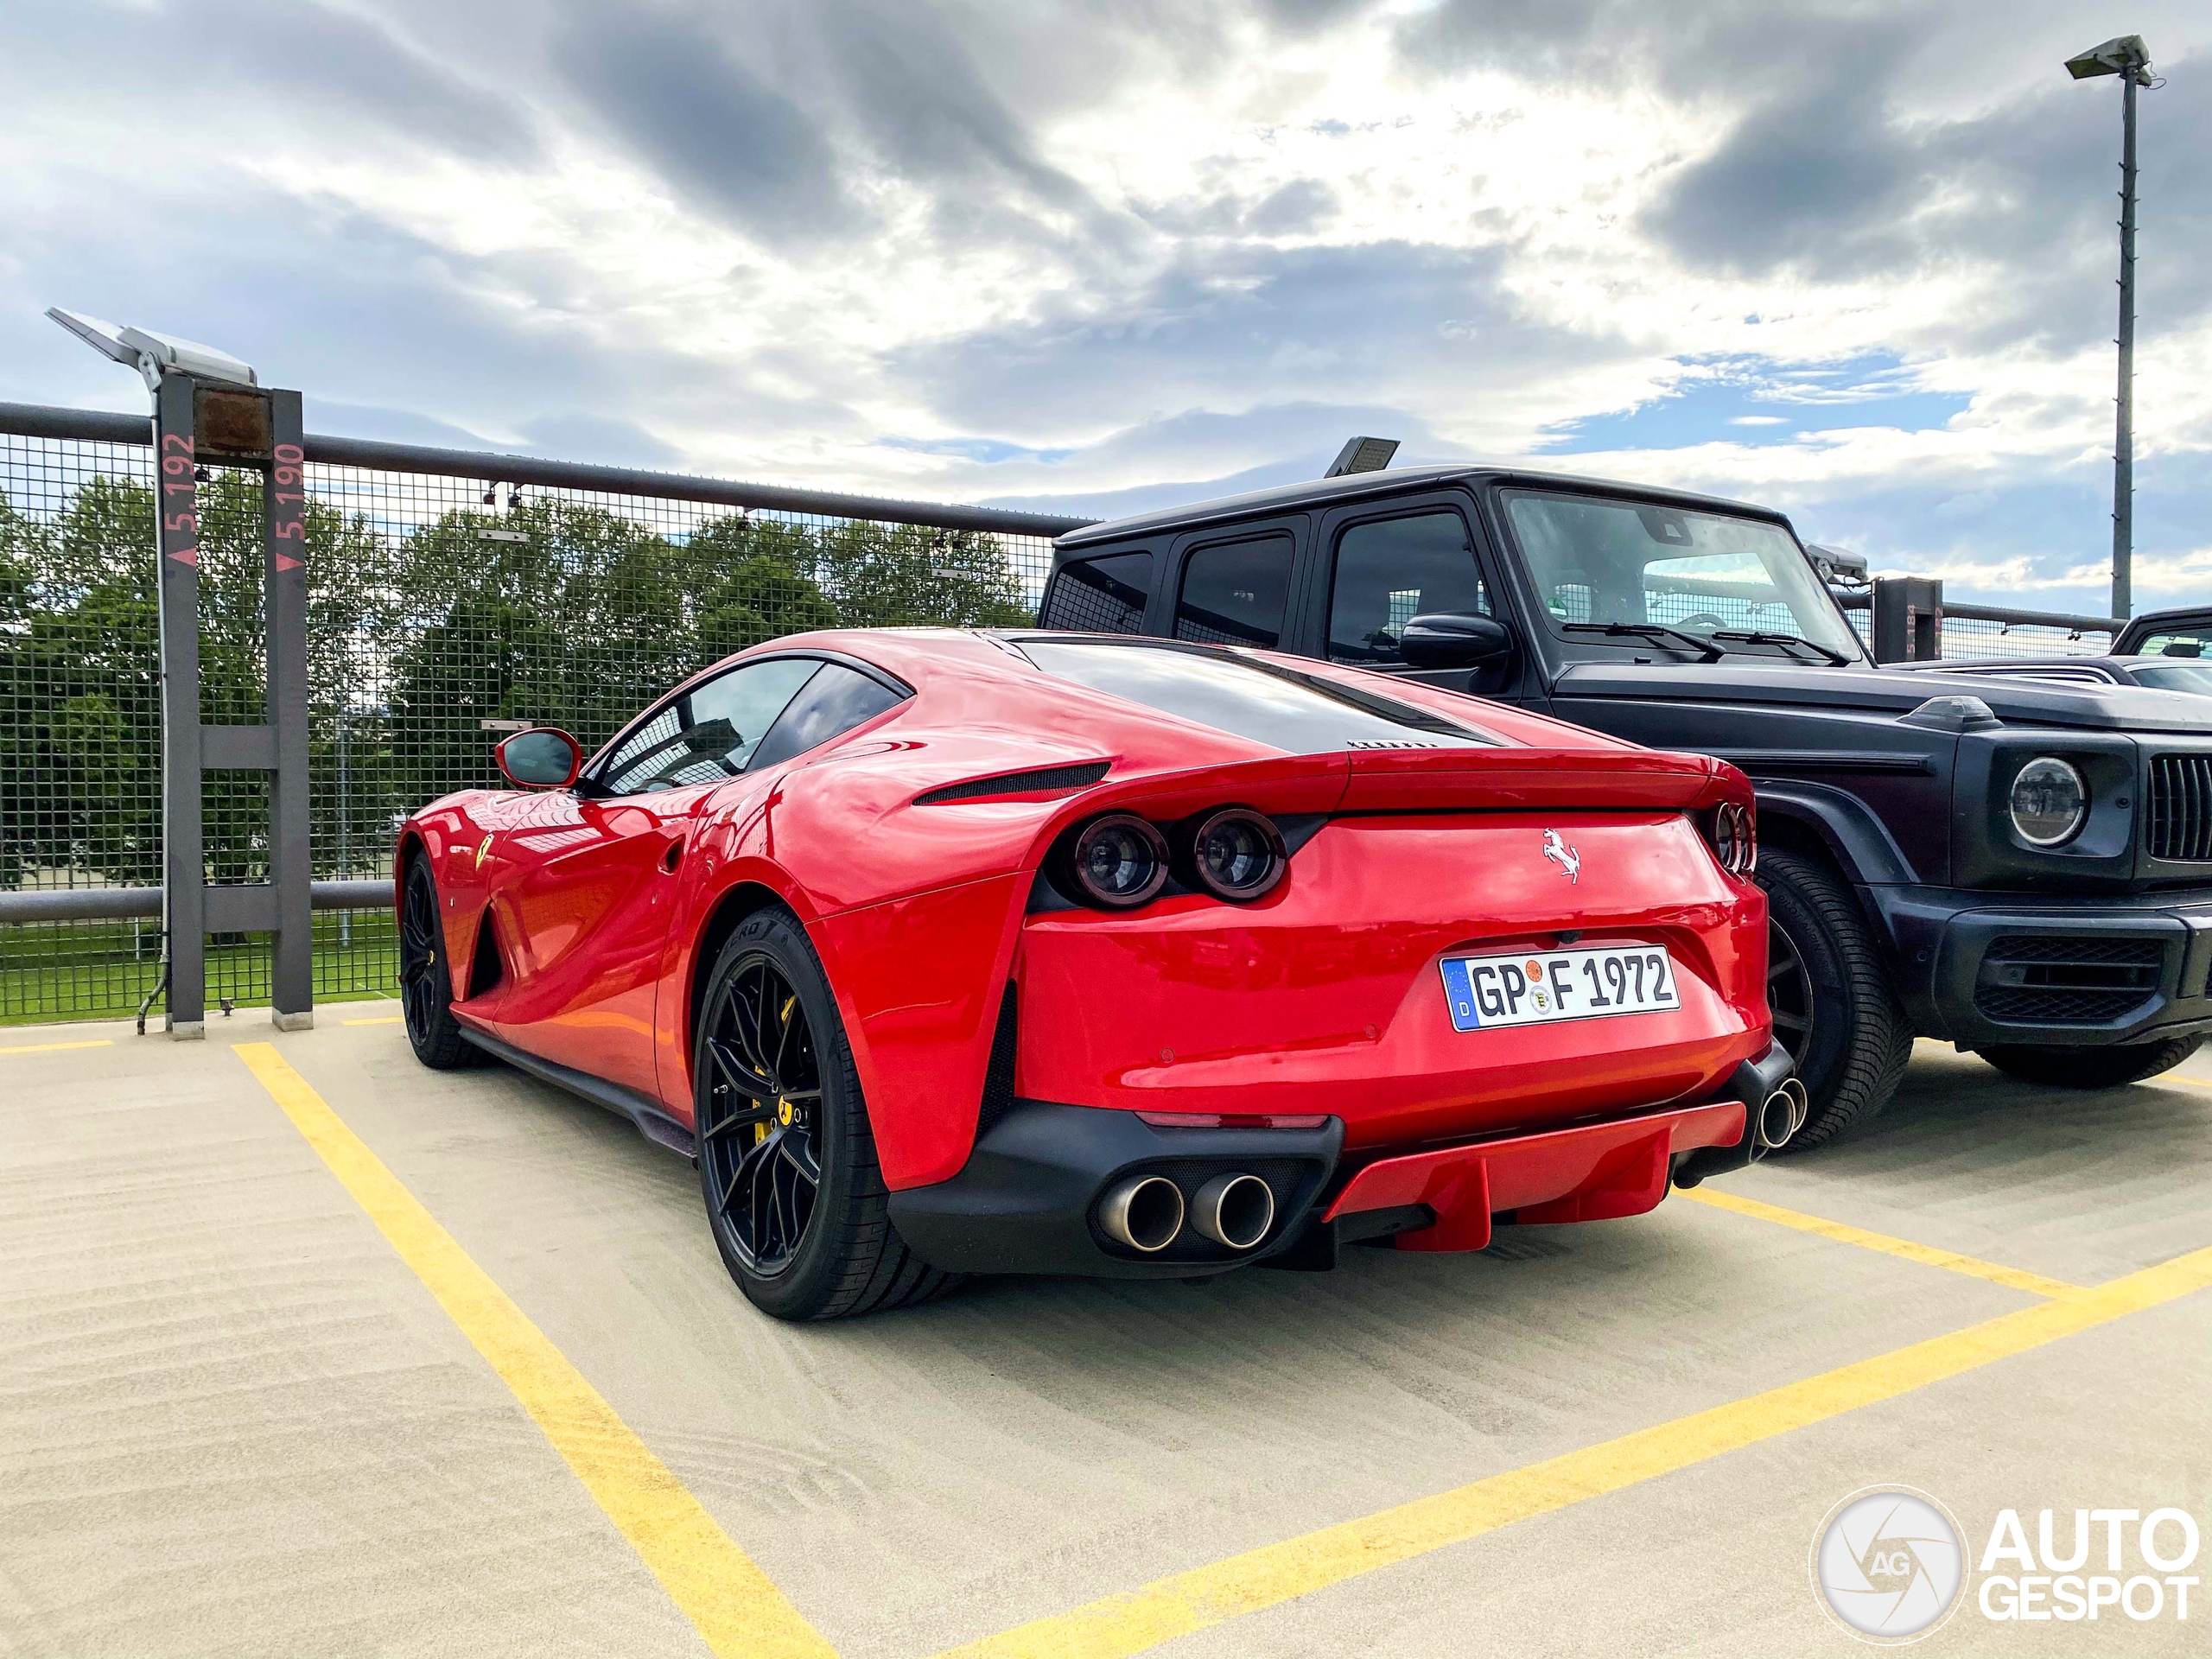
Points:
(1144, 1212)
(1781, 1115)
(1235, 1210)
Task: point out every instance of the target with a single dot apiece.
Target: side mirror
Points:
(547, 758)
(1455, 640)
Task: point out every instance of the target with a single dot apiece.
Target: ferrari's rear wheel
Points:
(786, 1160)
(426, 978)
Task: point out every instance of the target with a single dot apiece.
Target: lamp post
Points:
(2128, 58)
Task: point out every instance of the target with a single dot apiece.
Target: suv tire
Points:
(2090, 1068)
(1834, 1010)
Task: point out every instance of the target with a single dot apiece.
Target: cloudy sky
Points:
(1854, 259)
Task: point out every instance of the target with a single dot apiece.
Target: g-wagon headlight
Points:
(2049, 802)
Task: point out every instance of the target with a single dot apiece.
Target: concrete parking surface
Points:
(242, 1413)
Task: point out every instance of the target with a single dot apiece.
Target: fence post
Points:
(1908, 617)
(196, 420)
(184, 870)
(284, 591)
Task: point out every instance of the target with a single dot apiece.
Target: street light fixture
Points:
(2128, 57)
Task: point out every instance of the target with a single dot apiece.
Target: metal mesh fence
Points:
(1989, 639)
(437, 607)
(443, 609)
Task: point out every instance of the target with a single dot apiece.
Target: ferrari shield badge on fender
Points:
(1569, 860)
(486, 848)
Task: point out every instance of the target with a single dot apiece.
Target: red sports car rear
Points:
(1061, 953)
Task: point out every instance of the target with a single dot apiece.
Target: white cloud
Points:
(987, 249)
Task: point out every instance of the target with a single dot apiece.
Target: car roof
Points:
(1328, 492)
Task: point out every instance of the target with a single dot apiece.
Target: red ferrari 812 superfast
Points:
(947, 952)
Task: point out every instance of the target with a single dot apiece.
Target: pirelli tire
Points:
(788, 1161)
(1834, 1008)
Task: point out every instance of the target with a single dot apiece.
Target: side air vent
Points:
(998, 1079)
(487, 965)
(1042, 781)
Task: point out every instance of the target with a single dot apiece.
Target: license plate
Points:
(1536, 987)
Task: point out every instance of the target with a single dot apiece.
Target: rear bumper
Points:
(2033, 971)
(1027, 1201)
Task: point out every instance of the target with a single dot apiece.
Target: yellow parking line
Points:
(1128, 1623)
(718, 1588)
(55, 1048)
(381, 1020)
(1927, 1254)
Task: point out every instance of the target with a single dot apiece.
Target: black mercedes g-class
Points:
(2022, 868)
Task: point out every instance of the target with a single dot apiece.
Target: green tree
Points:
(904, 575)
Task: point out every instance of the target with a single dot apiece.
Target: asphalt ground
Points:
(307, 1349)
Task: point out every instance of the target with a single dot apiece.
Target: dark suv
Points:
(2023, 868)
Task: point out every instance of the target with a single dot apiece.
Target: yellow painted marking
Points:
(2176, 1077)
(56, 1048)
(739, 1612)
(1118, 1625)
(381, 1020)
(1927, 1254)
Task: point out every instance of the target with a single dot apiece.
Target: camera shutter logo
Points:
(1889, 1565)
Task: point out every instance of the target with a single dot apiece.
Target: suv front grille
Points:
(2067, 982)
(2180, 822)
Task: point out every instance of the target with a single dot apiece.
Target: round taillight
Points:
(1235, 852)
(1117, 861)
(1735, 839)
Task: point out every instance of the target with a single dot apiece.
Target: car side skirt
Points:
(652, 1120)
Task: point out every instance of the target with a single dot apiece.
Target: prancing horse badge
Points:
(1569, 860)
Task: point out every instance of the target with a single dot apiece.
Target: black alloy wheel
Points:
(787, 1162)
(1789, 992)
(766, 1100)
(426, 978)
(1834, 1011)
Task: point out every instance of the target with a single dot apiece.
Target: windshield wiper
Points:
(1830, 652)
(1706, 651)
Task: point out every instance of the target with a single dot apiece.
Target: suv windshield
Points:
(1299, 713)
(1599, 562)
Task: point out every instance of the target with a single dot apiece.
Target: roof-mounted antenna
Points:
(1362, 455)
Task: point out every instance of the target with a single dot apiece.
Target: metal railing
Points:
(449, 591)
(1972, 632)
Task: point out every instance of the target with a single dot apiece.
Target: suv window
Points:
(1235, 593)
(2187, 642)
(1299, 713)
(706, 733)
(1102, 595)
(835, 701)
(1602, 561)
(1390, 572)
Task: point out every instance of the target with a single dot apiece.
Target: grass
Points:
(54, 971)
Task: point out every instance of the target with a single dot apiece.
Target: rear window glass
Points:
(2188, 642)
(834, 701)
(1101, 595)
(1236, 593)
(1299, 713)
